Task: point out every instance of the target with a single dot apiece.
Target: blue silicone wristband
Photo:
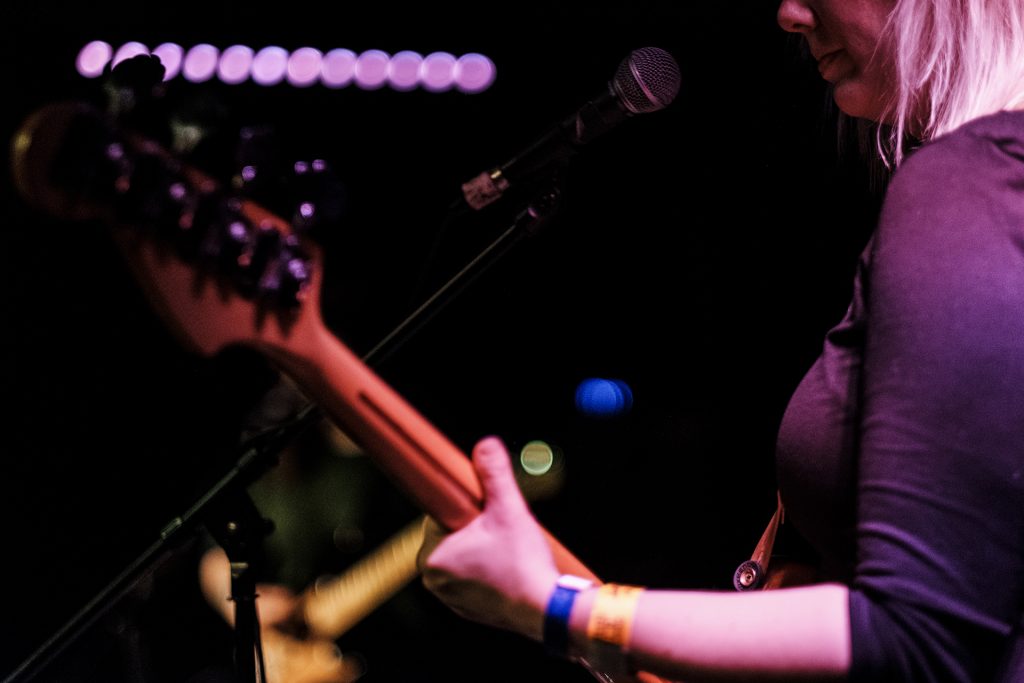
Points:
(556, 616)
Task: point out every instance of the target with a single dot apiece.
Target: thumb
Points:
(493, 466)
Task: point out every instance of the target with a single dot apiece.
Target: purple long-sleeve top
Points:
(901, 454)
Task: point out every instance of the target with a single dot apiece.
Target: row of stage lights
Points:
(303, 67)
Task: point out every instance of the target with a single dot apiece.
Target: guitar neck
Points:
(408, 448)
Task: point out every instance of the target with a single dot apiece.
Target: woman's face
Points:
(845, 38)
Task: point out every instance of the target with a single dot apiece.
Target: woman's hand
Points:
(498, 569)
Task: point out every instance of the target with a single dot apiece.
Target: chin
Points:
(853, 99)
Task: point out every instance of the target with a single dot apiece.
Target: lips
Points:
(828, 65)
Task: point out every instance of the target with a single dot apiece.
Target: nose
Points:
(796, 16)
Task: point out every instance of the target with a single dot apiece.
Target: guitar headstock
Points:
(221, 267)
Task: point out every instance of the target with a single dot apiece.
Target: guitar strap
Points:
(750, 574)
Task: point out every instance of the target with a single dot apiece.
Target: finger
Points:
(493, 466)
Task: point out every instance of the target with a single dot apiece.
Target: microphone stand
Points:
(238, 527)
(230, 516)
(229, 513)
(528, 222)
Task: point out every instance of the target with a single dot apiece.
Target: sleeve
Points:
(940, 512)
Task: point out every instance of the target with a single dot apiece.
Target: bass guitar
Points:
(222, 270)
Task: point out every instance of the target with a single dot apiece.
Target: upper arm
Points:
(940, 522)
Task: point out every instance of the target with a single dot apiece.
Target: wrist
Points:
(558, 614)
(601, 627)
(579, 644)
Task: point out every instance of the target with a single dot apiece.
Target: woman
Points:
(901, 454)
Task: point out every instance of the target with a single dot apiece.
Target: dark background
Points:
(700, 254)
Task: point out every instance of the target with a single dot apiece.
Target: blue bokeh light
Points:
(597, 397)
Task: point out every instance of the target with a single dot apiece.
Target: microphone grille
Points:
(647, 80)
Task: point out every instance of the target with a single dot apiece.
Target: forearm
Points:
(787, 634)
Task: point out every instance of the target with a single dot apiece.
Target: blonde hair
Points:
(955, 60)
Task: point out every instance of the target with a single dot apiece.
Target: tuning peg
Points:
(227, 244)
(199, 210)
(257, 173)
(258, 260)
(319, 197)
(262, 256)
(150, 190)
(287, 277)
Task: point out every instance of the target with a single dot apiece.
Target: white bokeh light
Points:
(200, 63)
(437, 73)
(93, 57)
(338, 68)
(474, 72)
(127, 51)
(235, 64)
(304, 67)
(404, 70)
(372, 69)
(270, 65)
(171, 56)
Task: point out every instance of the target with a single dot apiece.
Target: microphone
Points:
(646, 80)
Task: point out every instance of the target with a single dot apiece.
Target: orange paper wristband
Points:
(611, 616)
